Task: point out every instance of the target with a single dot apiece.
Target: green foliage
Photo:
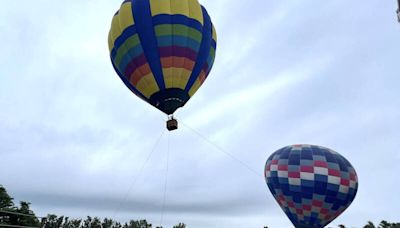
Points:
(369, 225)
(6, 202)
(138, 224)
(180, 225)
(107, 223)
(30, 220)
(10, 215)
(52, 221)
(383, 224)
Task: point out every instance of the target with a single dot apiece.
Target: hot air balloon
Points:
(163, 50)
(312, 184)
(398, 11)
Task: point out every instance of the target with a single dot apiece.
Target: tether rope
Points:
(222, 150)
(165, 183)
(138, 174)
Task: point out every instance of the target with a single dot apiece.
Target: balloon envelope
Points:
(163, 50)
(312, 184)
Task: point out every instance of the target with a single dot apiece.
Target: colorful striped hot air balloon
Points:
(163, 50)
(312, 184)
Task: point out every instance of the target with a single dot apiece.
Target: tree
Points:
(138, 224)
(117, 225)
(385, 224)
(180, 225)
(369, 225)
(395, 225)
(30, 218)
(6, 204)
(96, 223)
(53, 221)
(107, 223)
(87, 223)
(75, 223)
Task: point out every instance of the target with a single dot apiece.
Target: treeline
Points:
(383, 224)
(52, 221)
(22, 215)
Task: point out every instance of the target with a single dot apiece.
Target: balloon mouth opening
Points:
(169, 100)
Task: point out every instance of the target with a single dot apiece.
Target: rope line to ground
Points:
(222, 150)
(138, 174)
(165, 183)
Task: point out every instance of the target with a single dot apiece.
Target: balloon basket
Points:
(172, 124)
(398, 14)
(398, 11)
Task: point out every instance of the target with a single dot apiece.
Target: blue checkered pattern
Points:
(312, 184)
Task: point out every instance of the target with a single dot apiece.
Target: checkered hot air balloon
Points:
(312, 184)
(163, 50)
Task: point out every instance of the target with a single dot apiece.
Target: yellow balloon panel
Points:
(147, 85)
(125, 16)
(189, 8)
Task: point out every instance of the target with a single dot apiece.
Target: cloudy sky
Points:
(75, 141)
